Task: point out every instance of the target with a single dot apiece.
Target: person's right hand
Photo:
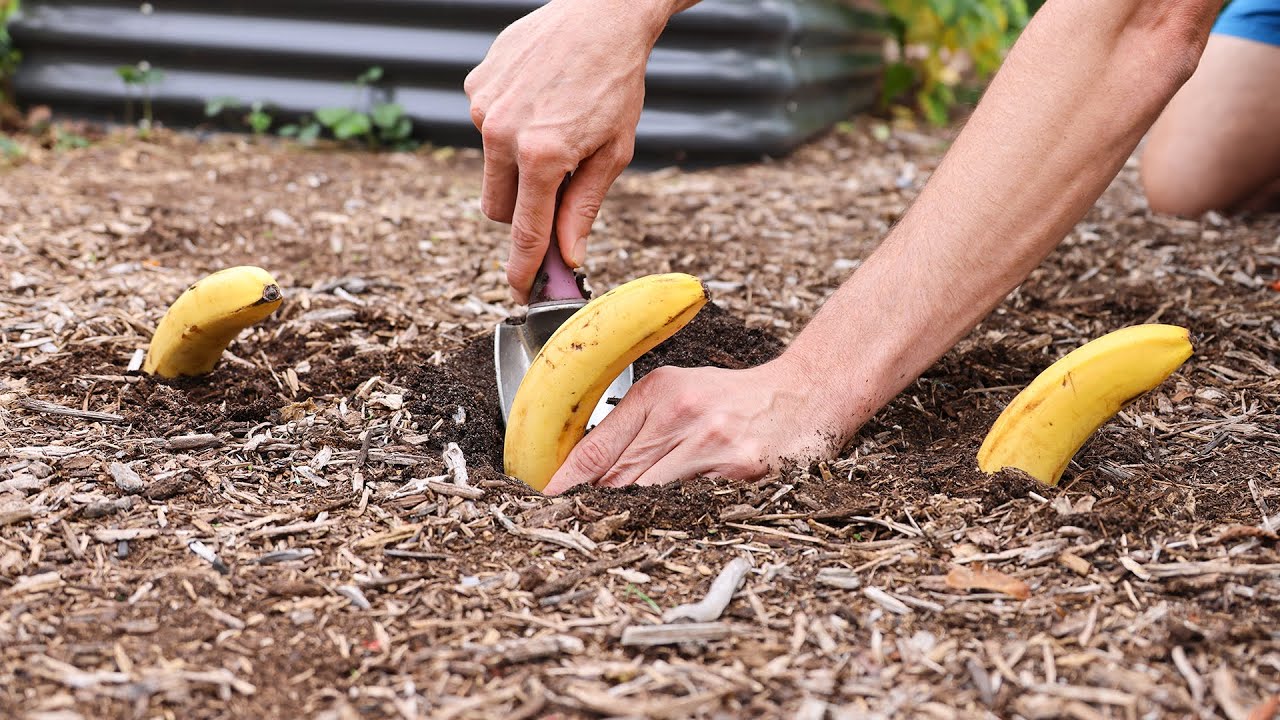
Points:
(559, 91)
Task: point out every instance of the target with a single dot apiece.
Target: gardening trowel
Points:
(556, 295)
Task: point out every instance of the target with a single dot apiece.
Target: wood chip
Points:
(193, 442)
(983, 578)
(886, 601)
(675, 634)
(114, 535)
(35, 583)
(128, 481)
(49, 408)
(1075, 563)
(717, 599)
(590, 570)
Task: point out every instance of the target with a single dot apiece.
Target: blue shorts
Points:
(1257, 20)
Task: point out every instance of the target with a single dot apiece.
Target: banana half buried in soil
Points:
(574, 368)
(204, 320)
(1041, 430)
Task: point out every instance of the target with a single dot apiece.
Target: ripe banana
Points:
(566, 379)
(1041, 430)
(205, 319)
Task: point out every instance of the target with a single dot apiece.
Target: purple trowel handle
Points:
(555, 279)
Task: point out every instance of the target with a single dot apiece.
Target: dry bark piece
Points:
(126, 479)
(984, 578)
(675, 634)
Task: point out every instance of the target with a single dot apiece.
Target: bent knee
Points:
(1172, 196)
(1175, 184)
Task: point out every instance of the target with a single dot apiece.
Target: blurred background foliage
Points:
(9, 55)
(945, 50)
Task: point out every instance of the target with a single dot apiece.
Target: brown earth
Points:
(341, 589)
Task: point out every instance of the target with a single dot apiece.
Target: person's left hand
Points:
(680, 423)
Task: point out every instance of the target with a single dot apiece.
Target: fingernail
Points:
(579, 254)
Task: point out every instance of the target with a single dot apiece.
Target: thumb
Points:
(599, 449)
(583, 198)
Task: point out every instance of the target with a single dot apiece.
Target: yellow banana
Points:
(1041, 430)
(205, 319)
(566, 379)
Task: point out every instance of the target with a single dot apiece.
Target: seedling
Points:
(369, 117)
(141, 77)
(383, 123)
(11, 151)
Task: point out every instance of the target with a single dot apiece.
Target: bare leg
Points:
(1217, 145)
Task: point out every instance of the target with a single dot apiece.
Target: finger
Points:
(583, 198)
(540, 175)
(594, 456)
(498, 189)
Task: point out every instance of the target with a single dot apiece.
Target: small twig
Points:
(49, 408)
(193, 442)
(648, 635)
(208, 555)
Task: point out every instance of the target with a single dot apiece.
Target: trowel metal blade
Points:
(517, 341)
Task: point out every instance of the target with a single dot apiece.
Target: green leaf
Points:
(290, 130)
(944, 9)
(633, 590)
(309, 133)
(214, 106)
(354, 125)
(401, 131)
(387, 115)
(372, 75)
(10, 149)
(129, 73)
(331, 117)
(898, 78)
(260, 121)
(935, 110)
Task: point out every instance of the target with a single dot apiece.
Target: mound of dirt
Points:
(467, 380)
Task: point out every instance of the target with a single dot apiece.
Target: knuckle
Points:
(496, 130)
(717, 430)
(623, 154)
(588, 206)
(540, 152)
(524, 240)
(477, 116)
(589, 459)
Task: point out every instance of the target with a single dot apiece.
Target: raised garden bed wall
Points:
(730, 79)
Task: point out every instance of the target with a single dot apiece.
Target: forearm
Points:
(1074, 98)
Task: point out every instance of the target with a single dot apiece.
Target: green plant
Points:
(9, 55)
(370, 117)
(64, 140)
(378, 122)
(141, 77)
(932, 35)
(10, 151)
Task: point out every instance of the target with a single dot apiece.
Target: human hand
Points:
(560, 91)
(679, 423)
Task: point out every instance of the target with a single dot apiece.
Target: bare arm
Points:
(1075, 96)
(560, 91)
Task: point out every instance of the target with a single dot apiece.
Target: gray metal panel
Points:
(730, 78)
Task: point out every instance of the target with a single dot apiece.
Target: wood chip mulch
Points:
(319, 529)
